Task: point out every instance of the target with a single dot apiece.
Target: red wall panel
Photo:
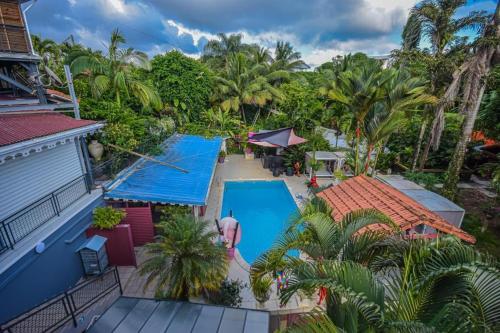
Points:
(140, 220)
(119, 246)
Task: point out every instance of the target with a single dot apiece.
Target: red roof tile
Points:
(365, 192)
(21, 127)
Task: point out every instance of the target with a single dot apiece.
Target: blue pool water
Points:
(263, 209)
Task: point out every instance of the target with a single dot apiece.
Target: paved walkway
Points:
(482, 186)
(234, 168)
(237, 168)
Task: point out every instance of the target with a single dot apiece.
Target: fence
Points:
(53, 314)
(23, 222)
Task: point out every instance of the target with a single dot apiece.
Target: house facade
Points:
(46, 191)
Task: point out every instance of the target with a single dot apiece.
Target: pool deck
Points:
(234, 168)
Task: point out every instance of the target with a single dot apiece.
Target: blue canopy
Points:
(149, 181)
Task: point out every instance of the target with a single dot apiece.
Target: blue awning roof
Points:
(148, 181)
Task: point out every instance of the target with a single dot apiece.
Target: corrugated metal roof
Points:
(131, 315)
(21, 127)
(363, 192)
(95, 243)
(429, 199)
(149, 181)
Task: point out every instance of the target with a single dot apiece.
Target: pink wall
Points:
(140, 220)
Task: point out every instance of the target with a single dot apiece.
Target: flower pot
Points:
(96, 150)
(289, 171)
(221, 159)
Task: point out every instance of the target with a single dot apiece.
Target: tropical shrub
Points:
(228, 294)
(428, 180)
(107, 218)
(261, 288)
(183, 79)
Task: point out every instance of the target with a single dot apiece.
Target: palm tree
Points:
(285, 58)
(47, 49)
(358, 90)
(114, 73)
(318, 237)
(224, 46)
(242, 84)
(184, 261)
(260, 55)
(403, 94)
(436, 21)
(417, 286)
(473, 74)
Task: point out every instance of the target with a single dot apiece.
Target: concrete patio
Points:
(235, 167)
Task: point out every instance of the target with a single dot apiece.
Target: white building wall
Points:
(24, 180)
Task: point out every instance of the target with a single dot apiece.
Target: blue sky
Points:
(320, 29)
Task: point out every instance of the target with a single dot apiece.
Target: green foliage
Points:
(171, 212)
(107, 218)
(261, 288)
(488, 118)
(404, 140)
(487, 241)
(126, 128)
(487, 170)
(184, 262)
(228, 294)
(182, 79)
(116, 73)
(429, 180)
(300, 108)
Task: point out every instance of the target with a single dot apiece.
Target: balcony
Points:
(23, 223)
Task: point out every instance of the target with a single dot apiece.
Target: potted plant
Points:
(119, 244)
(222, 156)
(106, 218)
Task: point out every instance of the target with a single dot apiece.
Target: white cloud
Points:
(112, 8)
(72, 2)
(195, 33)
(377, 46)
(93, 39)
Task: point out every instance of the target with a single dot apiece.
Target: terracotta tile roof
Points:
(365, 192)
(21, 127)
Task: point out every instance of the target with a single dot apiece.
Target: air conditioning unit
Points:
(93, 255)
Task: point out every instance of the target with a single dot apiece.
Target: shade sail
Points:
(282, 137)
(149, 181)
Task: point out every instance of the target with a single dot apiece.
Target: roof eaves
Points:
(45, 140)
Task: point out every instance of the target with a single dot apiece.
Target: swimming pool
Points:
(263, 209)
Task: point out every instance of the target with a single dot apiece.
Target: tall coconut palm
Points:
(224, 45)
(418, 286)
(260, 55)
(436, 21)
(243, 83)
(184, 261)
(286, 58)
(473, 76)
(318, 237)
(114, 73)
